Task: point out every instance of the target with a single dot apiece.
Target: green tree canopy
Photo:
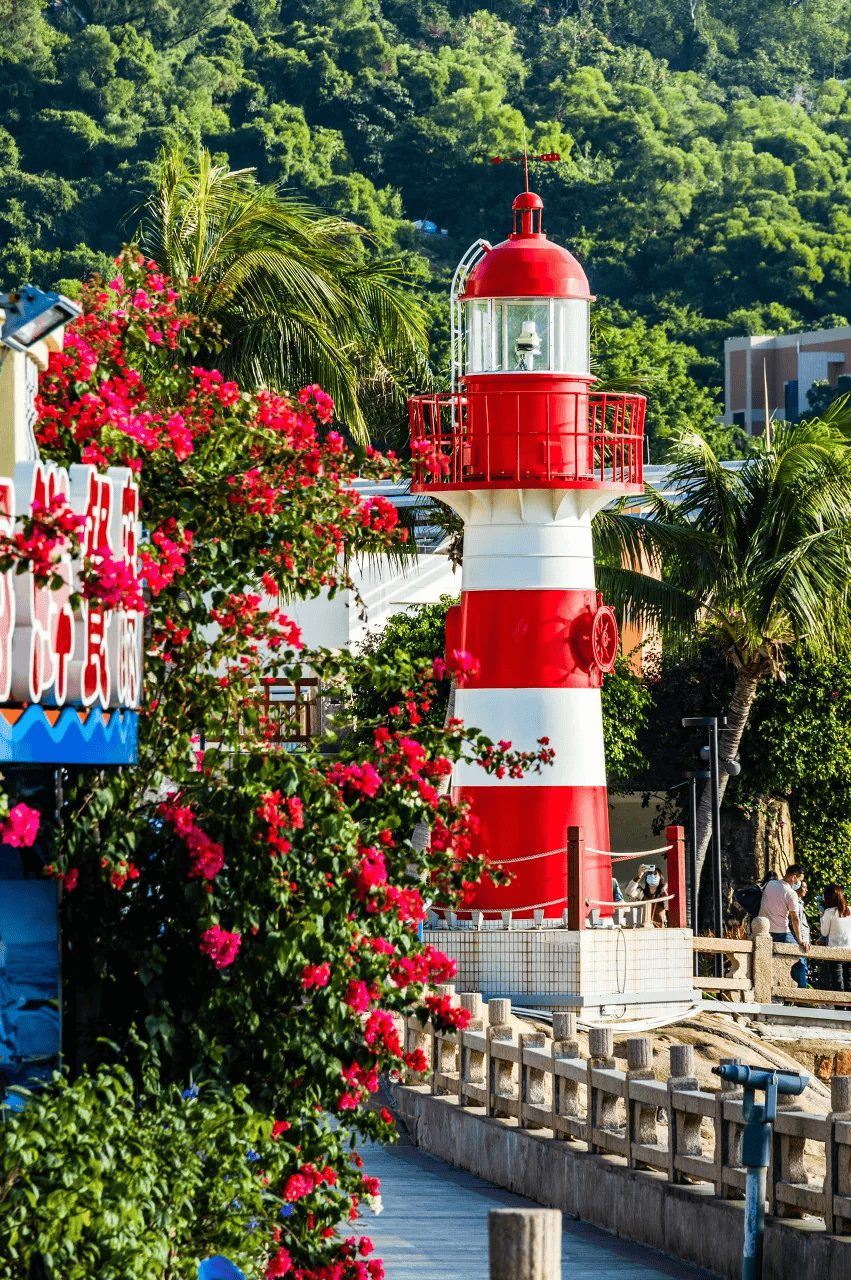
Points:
(760, 553)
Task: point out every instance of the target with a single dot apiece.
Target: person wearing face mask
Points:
(780, 906)
(656, 887)
(649, 884)
(799, 968)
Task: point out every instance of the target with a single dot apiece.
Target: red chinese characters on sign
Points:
(48, 653)
(43, 635)
(125, 635)
(90, 679)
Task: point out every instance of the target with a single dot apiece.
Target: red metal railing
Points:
(563, 438)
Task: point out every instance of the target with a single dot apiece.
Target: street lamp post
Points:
(710, 753)
(717, 899)
(692, 779)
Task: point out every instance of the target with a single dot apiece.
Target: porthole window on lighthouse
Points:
(541, 335)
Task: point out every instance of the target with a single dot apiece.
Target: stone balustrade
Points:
(671, 1126)
(759, 969)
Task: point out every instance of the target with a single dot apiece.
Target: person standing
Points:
(656, 887)
(836, 928)
(799, 968)
(780, 906)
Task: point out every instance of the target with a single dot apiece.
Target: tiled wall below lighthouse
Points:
(603, 973)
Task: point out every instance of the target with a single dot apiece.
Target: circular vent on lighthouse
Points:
(604, 638)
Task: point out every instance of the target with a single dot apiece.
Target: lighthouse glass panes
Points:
(511, 335)
(571, 337)
(479, 339)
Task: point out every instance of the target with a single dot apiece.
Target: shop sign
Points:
(50, 652)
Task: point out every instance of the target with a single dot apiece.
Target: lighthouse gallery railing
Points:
(605, 446)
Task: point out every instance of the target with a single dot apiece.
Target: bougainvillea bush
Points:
(251, 911)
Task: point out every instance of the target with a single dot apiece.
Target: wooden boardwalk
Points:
(434, 1226)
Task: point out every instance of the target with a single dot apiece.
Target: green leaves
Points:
(103, 1179)
(762, 549)
(297, 297)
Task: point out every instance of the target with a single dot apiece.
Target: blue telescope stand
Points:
(756, 1146)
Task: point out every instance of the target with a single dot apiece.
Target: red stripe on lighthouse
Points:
(529, 639)
(520, 824)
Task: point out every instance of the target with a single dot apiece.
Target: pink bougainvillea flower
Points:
(315, 975)
(280, 1264)
(21, 827)
(220, 946)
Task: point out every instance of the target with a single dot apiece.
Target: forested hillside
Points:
(706, 146)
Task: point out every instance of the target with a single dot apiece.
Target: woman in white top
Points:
(836, 927)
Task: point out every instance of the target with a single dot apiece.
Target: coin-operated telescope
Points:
(756, 1145)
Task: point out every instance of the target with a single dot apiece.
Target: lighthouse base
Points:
(605, 975)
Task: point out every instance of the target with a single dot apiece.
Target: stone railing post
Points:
(763, 948)
(602, 1110)
(641, 1120)
(524, 1244)
(472, 1060)
(500, 1074)
(565, 1100)
(786, 1161)
(419, 1037)
(837, 1172)
(728, 1137)
(683, 1129)
(445, 1047)
(532, 1084)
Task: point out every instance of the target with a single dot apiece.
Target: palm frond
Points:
(640, 597)
(300, 296)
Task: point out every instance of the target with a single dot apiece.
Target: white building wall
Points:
(385, 587)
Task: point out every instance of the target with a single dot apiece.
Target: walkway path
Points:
(434, 1226)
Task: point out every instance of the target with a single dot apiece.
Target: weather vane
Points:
(549, 157)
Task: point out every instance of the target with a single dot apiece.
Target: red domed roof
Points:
(527, 264)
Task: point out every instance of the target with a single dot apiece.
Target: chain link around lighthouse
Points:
(525, 452)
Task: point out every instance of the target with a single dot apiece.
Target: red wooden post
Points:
(677, 908)
(576, 909)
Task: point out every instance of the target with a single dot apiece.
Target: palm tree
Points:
(297, 295)
(760, 552)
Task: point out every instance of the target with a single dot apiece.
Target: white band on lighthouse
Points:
(527, 540)
(527, 567)
(572, 719)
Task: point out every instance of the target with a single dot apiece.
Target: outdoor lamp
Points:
(31, 314)
(731, 767)
(528, 344)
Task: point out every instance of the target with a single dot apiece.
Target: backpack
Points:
(749, 899)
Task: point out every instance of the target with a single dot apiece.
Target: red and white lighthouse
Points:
(525, 452)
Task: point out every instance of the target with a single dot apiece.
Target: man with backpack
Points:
(780, 906)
